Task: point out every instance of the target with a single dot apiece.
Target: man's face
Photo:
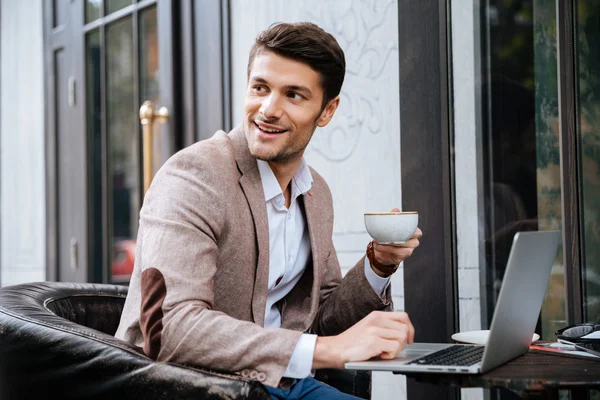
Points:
(283, 107)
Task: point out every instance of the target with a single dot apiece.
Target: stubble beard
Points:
(282, 155)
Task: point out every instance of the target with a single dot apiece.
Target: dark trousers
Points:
(308, 389)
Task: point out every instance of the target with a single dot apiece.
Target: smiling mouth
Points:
(269, 130)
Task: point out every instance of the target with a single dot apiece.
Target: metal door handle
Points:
(149, 114)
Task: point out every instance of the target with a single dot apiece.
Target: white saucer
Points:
(479, 337)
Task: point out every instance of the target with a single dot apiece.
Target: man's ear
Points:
(328, 112)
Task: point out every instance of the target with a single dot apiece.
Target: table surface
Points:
(528, 373)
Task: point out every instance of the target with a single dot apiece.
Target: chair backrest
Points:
(97, 311)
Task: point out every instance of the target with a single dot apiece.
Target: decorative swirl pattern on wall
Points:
(359, 27)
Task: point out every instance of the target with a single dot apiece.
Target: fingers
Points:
(412, 242)
(392, 254)
(404, 319)
(388, 324)
(383, 342)
(396, 253)
(398, 335)
(389, 348)
(390, 342)
(397, 321)
(383, 334)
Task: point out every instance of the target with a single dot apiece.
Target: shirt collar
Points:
(301, 181)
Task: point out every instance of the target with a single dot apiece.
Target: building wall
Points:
(22, 195)
(358, 153)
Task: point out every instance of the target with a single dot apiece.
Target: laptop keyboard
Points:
(453, 355)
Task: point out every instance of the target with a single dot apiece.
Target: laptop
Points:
(515, 316)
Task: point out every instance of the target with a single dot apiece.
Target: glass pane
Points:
(123, 153)
(149, 73)
(114, 5)
(94, 128)
(588, 59)
(93, 9)
(148, 55)
(520, 141)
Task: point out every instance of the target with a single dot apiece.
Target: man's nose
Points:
(271, 107)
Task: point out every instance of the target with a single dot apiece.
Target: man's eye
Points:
(259, 88)
(295, 96)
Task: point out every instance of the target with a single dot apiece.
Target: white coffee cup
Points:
(392, 227)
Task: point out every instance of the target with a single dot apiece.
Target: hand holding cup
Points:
(396, 235)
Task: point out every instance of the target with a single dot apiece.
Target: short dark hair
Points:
(307, 43)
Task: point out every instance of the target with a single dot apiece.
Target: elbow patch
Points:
(154, 292)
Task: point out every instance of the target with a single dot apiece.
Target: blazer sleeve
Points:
(180, 224)
(344, 302)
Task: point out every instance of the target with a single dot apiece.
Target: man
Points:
(235, 266)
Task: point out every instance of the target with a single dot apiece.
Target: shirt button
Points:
(253, 375)
(289, 215)
(262, 376)
(245, 373)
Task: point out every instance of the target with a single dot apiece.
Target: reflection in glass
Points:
(115, 5)
(123, 151)
(521, 153)
(149, 73)
(92, 10)
(548, 156)
(94, 132)
(588, 120)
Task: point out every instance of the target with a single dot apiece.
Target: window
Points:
(587, 86)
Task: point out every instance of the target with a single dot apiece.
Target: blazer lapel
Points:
(253, 190)
(310, 282)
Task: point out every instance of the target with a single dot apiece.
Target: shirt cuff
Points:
(300, 365)
(378, 283)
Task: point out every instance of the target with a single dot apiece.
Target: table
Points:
(531, 376)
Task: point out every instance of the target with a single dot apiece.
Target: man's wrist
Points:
(380, 269)
(324, 355)
(378, 272)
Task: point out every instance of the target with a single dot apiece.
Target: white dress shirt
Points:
(289, 252)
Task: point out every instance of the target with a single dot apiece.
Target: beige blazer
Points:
(199, 287)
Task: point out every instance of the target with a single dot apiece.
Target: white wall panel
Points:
(22, 191)
(467, 149)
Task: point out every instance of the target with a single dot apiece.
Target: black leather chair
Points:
(56, 341)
